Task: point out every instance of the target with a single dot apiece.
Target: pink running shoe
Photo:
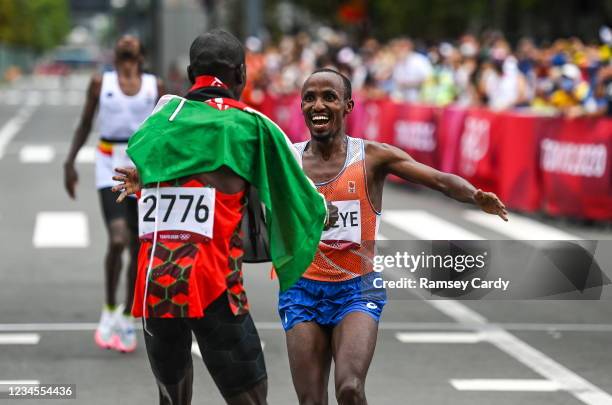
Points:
(104, 332)
(124, 336)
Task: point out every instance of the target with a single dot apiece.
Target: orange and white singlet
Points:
(347, 249)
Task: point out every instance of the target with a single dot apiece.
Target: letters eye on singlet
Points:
(346, 233)
(186, 214)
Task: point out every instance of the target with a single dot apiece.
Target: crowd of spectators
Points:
(566, 76)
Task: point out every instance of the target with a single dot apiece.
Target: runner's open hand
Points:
(332, 215)
(130, 182)
(490, 203)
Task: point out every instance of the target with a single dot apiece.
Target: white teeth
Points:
(320, 118)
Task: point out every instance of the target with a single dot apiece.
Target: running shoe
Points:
(104, 335)
(124, 332)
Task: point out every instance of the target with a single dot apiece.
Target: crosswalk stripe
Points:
(54, 98)
(36, 154)
(61, 230)
(440, 337)
(87, 154)
(195, 349)
(74, 98)
(426, 226)
(498, 384)
(19, 338)
(518, 227)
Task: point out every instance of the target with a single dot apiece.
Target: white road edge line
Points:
(580, 388)
(195, 349)
(19, 338)
(440, 337)
(18, 382)
(518, 227)
(13, 126)
(391, 326)
(425, 226)
(500, 384)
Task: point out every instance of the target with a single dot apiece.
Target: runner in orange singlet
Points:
(333, 310)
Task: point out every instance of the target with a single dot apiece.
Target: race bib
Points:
(186, 214)
(346, 232)
(119, 157)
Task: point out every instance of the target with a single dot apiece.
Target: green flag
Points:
(184, 137)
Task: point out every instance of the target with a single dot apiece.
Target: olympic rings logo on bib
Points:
(186, 214)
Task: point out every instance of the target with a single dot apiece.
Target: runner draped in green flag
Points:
(197, 156)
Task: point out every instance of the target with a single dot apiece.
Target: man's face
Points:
(127, 49)
(324, 105)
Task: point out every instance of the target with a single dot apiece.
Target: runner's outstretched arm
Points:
(388, 159)
(81, 134)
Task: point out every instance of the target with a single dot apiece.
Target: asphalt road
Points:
(428, 352)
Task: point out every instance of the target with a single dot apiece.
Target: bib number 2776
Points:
(185, 213)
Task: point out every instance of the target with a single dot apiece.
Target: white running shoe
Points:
(104, 335)
(124, 332)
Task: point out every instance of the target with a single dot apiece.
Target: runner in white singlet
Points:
(123, 98)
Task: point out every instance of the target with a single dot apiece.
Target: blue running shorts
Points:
(328, 302)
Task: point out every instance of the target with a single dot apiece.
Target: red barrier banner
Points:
(576, 169)
(285, 110)
(372, 120)
(517, 160)
(414, 130)
(478, 149)
(450, 129)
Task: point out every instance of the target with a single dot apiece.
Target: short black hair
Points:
(348, 88)
(216, 53)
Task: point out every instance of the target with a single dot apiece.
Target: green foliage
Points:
(36, 24)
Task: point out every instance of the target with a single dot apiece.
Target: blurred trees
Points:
(36, 24)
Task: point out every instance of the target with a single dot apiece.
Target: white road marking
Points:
(13, 126)
(498, 384)
(87, 154)
(4, 384)
(446, 337)
(36, 154)
(518, 227)
(19, 338)
(34, 98)
(384, 325)
(61, 230)
(74, 98)
(580, 388)
(426, 226)
(195, 349)
(13, 97)
(54, 97)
